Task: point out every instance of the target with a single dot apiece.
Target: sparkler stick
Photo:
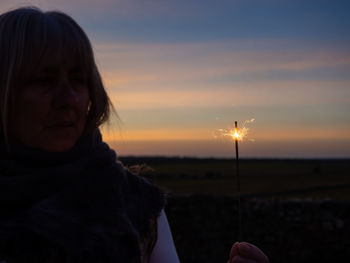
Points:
(236, 136)
(238, 184)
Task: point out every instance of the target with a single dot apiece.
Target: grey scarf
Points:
(78, 206)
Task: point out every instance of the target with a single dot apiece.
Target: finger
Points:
(250, 251)
(234, 250)
(241, 259)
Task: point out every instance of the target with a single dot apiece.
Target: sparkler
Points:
(238, 183)
(237, 136)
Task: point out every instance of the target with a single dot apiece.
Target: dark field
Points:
(294, 210)
(263, 178)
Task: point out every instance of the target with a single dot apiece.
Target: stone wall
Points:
(205, 227)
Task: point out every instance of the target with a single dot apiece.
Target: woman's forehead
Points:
(55, 59)
(53, 65)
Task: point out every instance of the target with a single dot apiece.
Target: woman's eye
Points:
(42, 80)
(79, 80)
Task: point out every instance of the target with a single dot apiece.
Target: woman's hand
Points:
(243, 252)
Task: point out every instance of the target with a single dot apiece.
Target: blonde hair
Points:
(27, 37)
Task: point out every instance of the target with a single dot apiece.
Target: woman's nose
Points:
(65, 96)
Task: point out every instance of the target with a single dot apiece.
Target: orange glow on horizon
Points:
(207, 134)
(158, 135)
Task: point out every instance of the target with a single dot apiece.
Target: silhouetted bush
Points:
(205, 227)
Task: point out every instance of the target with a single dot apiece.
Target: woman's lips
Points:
(64, 128)
(61, 126)
(58, 124)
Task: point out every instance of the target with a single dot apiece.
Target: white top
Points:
(164, 249)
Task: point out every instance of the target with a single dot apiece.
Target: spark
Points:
(236, 134)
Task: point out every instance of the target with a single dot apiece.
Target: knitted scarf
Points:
(77, 206)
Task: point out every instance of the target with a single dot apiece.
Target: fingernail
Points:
(244, 247)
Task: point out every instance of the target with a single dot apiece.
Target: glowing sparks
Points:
(234, 133)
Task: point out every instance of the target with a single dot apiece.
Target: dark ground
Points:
(289, 231)
(294, 210)
(264, 178)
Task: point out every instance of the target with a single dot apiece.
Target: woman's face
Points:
(50, 108)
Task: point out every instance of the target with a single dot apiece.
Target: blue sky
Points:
(174, 21)
(177, 71)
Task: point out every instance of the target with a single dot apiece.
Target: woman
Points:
(64, 196)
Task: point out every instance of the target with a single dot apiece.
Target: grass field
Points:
(264, 178)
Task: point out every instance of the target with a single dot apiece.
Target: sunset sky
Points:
(177, 71)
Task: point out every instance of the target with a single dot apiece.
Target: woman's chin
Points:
(61, 146)
(59, 143)
(60, 140)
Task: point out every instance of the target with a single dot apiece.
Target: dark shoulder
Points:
(141, 195)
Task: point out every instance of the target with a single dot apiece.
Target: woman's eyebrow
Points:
(53, 69)
(76, 69)
(49, 69)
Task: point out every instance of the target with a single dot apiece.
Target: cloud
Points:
(102, 9)
(217, 74)
(196, 62)
(254, 95)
